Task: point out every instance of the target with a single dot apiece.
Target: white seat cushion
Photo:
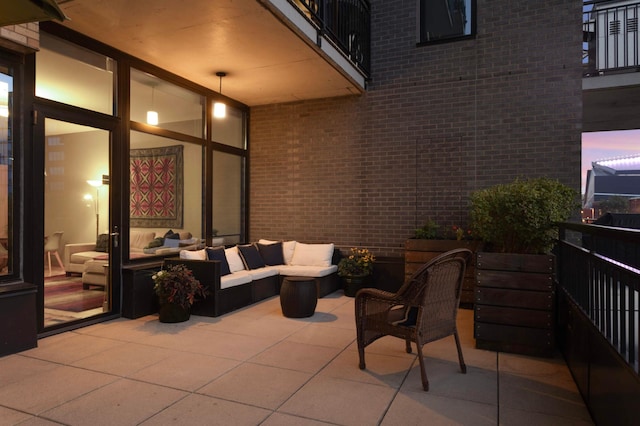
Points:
(237, 278)
(307, 271)
(259, 273)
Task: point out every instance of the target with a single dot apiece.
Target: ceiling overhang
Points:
(13, 12)
(267, 58)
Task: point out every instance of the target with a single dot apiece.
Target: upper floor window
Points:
(442, 20)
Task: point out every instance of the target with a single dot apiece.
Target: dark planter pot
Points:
(514, 306)
(355, 283)
(172, 312)
(418, 252)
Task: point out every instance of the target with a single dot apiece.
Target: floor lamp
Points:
(96, 184)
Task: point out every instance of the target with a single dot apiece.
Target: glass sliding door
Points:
(77, 265)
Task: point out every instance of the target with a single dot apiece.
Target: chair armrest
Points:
(73, 248)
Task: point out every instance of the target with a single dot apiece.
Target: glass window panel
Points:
(6, 169)
(177, 109)
(227, 196)
(230, 130)
(185, 184)
(73, 75)
(445, 19)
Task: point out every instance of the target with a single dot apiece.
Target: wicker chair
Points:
(423, 310)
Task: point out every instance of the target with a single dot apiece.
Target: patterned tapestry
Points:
(156, 187)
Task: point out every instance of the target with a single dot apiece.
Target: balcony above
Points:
(273, 51)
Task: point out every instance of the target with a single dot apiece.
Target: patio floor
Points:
(256, 367)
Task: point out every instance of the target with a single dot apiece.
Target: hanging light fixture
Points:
(152, 116)
(220, 109)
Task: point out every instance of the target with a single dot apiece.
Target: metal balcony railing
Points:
(611, 40)
(599, 271)
(346, 23)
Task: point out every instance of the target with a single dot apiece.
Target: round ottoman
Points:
(298, 297)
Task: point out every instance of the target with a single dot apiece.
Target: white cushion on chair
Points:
(312, 254)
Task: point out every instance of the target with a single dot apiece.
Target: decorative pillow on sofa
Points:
(287, 249)
(233, 258)
(172, 235)
(102, 243)
(217, 253)
(271, 253)
(312, 254)
(193, 254)
(250, 256)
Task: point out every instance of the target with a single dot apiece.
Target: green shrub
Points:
(521, 217)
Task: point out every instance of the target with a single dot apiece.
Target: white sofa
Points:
(241, 283)
(82, 258)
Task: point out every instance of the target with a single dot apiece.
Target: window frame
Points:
(471, 35)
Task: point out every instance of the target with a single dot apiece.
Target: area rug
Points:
(66, 294)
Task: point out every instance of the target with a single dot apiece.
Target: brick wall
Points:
(436, 123)
(23, 37)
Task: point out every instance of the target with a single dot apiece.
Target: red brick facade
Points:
(436, 123)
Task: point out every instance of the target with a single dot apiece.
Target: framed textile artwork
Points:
(156, 187)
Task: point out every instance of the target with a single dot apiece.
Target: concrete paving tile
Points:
(296, 356)
(124, 402)
(530, 393)
(509, 416)
(124, 360)
(425, 408)
(14, 368)
(12, 417)
(446, 380)
(281, 419)
(321, 335)
(339, 401)
(195, 410)
(38, 393)
(186, 371)
(382, 370)
(71, 348)
(275, 327)
(259, 385)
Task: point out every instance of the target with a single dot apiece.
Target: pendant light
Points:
(152, 115)
(220, 109)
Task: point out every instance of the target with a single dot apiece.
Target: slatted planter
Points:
(514, 303)
(418, 252)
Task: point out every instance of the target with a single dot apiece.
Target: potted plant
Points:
(515, 272)
(355, 270)
(431, 240)
(177, 289)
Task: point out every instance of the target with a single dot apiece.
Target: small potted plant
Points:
(177, 289)
(355, 270)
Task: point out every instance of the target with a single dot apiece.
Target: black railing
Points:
(611, 38)
(346, 23)
(599, 270)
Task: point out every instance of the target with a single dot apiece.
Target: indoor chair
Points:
(52, 245)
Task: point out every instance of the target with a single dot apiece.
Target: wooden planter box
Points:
(418, 252)
(514, 305)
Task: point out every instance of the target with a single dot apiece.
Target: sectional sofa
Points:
(244, 274)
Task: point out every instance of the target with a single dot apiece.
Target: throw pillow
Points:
(156, 242)
(172, 235)
(271, 253)
(102, 243)
(217, 253)
(235, 261)
(312, 254)
(193, 254)
(250, 256)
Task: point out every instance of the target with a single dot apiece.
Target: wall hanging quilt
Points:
(156, 179)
